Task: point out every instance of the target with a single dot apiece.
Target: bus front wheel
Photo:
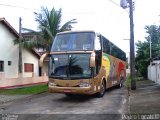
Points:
(102, 89)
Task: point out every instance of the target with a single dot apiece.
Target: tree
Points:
(154, 33)
(143, 49)
(154, 36)
(49, 24)
(142, 58)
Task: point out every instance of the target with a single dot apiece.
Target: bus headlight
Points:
(84, 85)
(52, 84)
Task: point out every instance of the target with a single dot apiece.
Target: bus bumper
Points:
(71, 90)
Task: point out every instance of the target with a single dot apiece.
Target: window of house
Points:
(28, 67)
(1, 66)
(9, 63)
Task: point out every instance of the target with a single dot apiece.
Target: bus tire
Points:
(102, 90)
(121, 83)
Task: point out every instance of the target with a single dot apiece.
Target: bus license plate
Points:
(67, 91)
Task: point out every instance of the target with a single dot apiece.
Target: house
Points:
(9, 56)
(154, 70)
(39, 52)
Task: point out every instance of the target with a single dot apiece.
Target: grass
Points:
(25, 90)
(128, 80)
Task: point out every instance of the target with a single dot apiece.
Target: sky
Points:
(103, 16)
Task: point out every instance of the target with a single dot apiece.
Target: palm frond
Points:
(49, 24)
(48, 31)
(68, 25)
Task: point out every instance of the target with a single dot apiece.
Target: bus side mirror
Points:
(42, 59)
(92, 60)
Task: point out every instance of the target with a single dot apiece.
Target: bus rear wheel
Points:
(121, 83)
(102, 90)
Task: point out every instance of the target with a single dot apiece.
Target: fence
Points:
(154, 71)
(22, 81)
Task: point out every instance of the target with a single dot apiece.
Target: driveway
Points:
(58, 106)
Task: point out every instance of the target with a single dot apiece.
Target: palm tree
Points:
(49, 24)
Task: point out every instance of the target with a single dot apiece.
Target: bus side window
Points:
(106, 46)
(97, 44)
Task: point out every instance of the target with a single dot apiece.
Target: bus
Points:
(84, 62)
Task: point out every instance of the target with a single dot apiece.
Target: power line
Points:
(115, 3)
(14, 6)
(32, 9)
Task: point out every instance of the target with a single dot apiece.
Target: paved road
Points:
(58, 106)
(146, 98)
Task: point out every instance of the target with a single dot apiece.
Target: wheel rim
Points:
(121, 83)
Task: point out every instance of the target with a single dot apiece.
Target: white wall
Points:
(8, 52)
(154, 72)
(45, 68)
(149, 72)
(28, 57)
(158, 73)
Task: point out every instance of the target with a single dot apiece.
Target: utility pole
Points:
(20, 47)
(132, 54)
(150, 53)
(150, 50)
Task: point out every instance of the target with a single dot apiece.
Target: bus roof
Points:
(77, 31)
(80, 31)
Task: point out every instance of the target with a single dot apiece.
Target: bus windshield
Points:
(70, 66)
(73, 41)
